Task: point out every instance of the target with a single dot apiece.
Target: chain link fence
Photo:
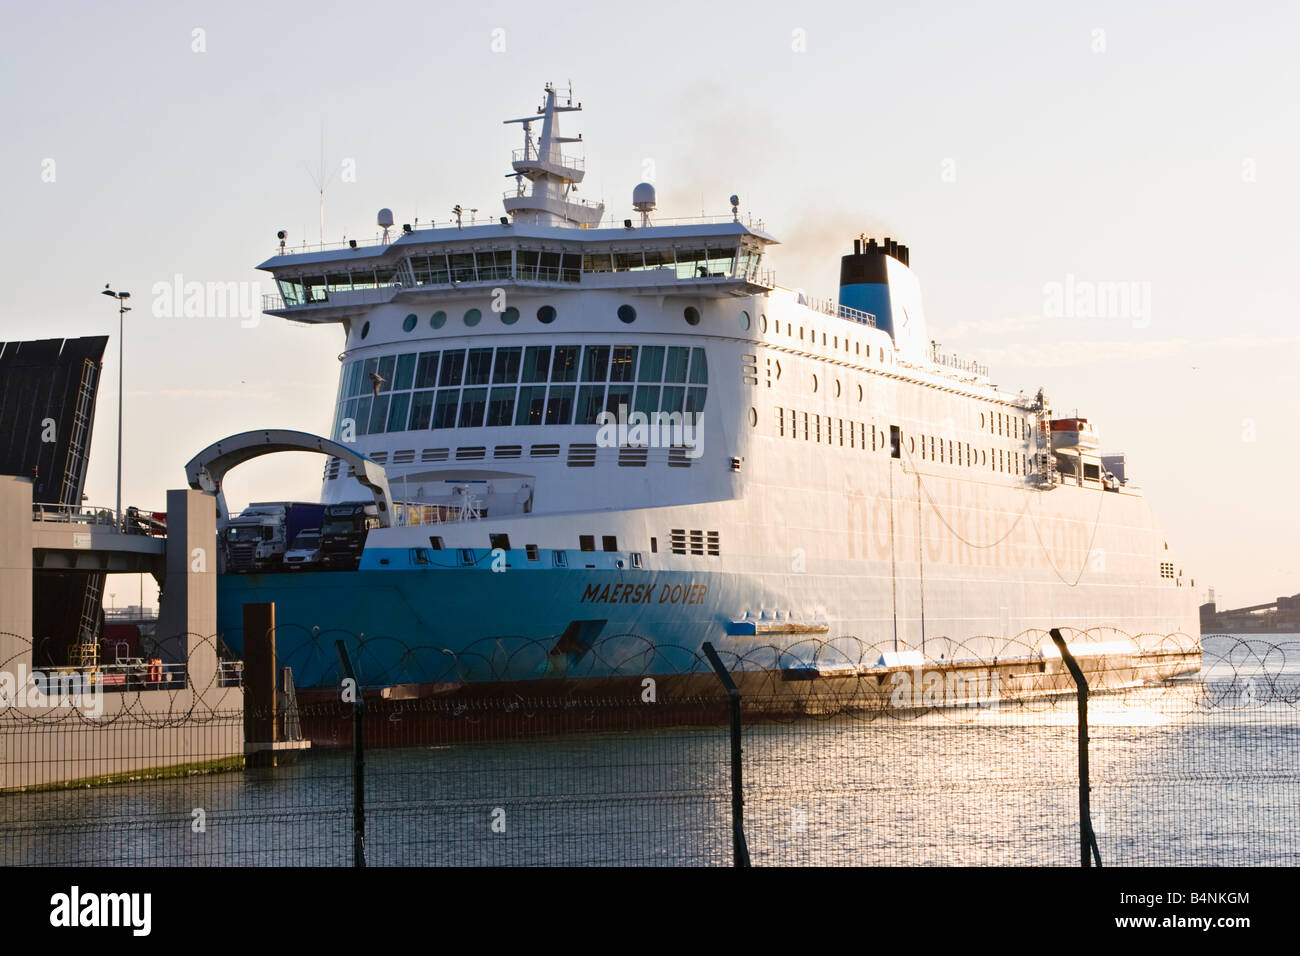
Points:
(839, 767)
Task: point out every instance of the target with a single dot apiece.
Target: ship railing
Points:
(612, 221)
(528, 273)
(952, 361)
(565, 160)
(124, 674)
(132, 520)
(834, 309)
(516, 194)
(230, 673)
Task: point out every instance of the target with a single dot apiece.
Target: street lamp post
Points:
(122, 309)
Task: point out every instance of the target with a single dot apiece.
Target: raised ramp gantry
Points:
(207, 470)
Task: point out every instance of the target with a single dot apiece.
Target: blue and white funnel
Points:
(876, 278)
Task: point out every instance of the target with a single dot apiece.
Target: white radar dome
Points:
(643, 197)
(385, 218)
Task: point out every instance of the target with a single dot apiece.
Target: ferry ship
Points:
(598, 443)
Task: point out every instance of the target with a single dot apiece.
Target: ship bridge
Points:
(548, 239)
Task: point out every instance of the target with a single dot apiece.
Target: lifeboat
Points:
(1073, 434)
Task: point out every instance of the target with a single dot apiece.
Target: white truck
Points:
(257, 538)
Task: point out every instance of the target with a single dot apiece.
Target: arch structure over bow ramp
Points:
(207, 470)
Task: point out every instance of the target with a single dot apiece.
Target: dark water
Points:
(1200, 773)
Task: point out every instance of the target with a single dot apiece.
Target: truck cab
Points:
(344, 531)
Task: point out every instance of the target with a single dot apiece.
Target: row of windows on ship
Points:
(847, 433)
(699, 543)
(546, 314)
(514, 385)
(545, 265)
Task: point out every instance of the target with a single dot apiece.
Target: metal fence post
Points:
(740, 849)
(358, 760)
(1087, 839)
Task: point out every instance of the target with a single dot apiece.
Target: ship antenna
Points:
(321, 182)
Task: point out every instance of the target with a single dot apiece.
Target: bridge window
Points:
(506, 369)
(622, 364)
(591, 402)
(659, 259)
(652, 364)
(427, 371)
(453, 366)
(444, 409)
(564, 363)
(559, 405)
(501, 408)
(462, 266)
(397, 412)
(404, 373)
(647, 399)
(473, 403)
(617, 397)
(676, 368)
(479, 367)
(699, 368)
(595, 363)
(532, 405)
(422, 390)
(537, 362)
(421, 409)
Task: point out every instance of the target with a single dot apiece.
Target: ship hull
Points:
(463, 626)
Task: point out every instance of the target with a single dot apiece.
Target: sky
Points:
(1099, 198)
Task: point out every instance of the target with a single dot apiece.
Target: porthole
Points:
(859, 393)
(473, 317)
(981, 419)
(408, 323)
(692, 315)
(510, 316)
(546, 314)
(753, 418)
(762, 323)
(815, 383)
(438, 319)
(627, 314)
(365, 329)
(911, 445)
(837, 388)
(744, 321)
